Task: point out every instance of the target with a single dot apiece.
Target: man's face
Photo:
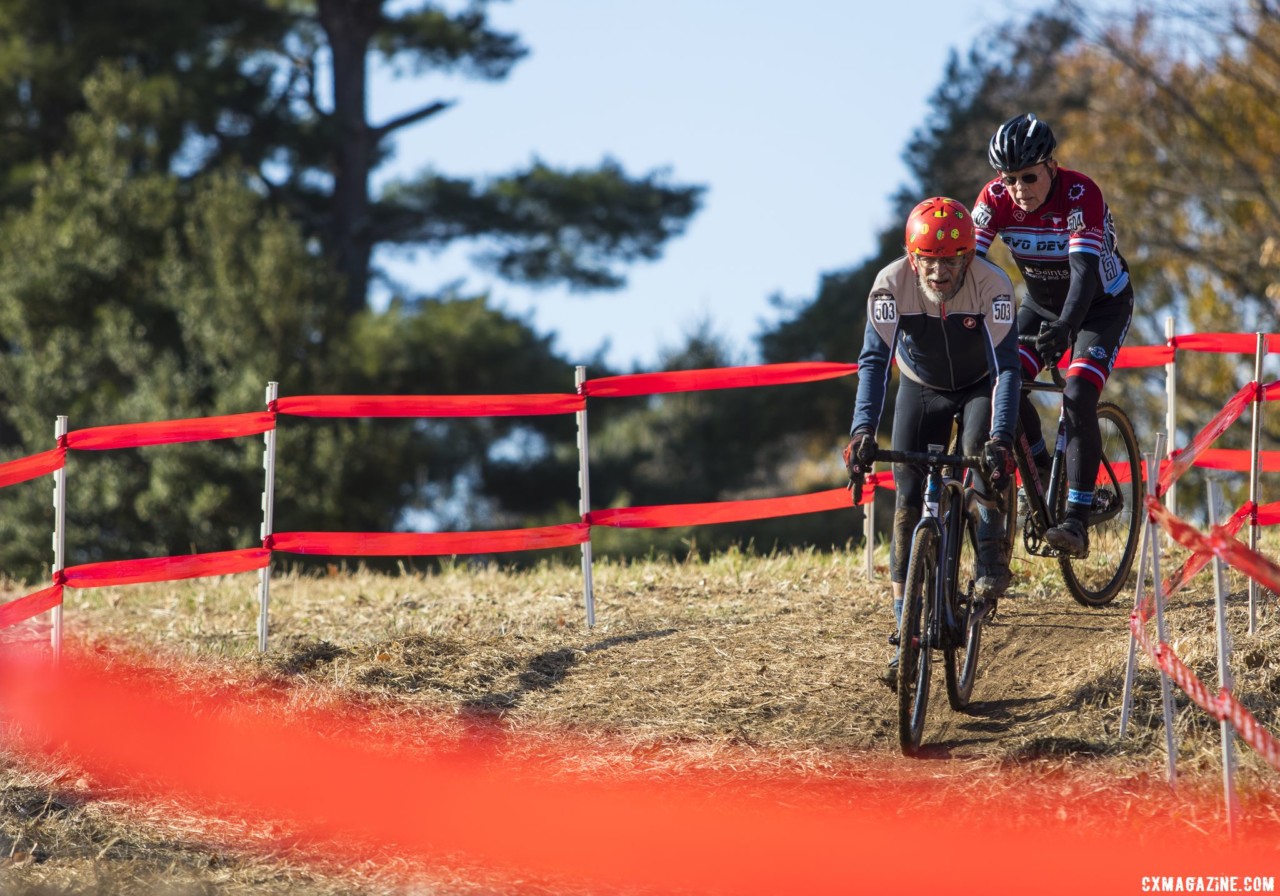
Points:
(1029, 187)
(940, 278)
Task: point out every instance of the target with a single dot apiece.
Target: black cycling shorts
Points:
(1097, 344)
(923, 416)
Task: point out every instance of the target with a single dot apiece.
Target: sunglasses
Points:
(1011, 179)
(951, 264)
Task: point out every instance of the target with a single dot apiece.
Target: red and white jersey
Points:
(1074, 218)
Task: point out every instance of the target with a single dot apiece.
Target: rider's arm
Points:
(874, 360)
(1085, 284)
(1007, 392)
(1090, 234)
(1002, 348)
(984, 219)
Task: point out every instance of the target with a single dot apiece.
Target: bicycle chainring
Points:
(1031, 540)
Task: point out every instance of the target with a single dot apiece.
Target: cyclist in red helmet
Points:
(1059, 230)
(947, 318)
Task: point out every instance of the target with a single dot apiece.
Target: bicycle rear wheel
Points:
(1117, 514)
(961, 656)
(915, 653)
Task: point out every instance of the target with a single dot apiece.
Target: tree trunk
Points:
(350, 25)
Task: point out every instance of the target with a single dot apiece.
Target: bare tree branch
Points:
(420, 114)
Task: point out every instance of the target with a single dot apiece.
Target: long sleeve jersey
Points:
(945, 346)
(1065, 249)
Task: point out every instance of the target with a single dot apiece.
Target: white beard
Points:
(934, 296)
(930, 293)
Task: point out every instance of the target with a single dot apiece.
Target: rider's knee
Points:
(1080, 399)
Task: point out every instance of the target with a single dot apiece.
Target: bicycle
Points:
(1095, 579)
(938, 611)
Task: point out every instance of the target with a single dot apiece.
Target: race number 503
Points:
(884, 311)
(1002, 311)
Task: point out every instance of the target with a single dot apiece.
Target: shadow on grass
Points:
(548, 669)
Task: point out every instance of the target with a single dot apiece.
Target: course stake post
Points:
(268, 517)
(584, 497)
(59, 538)
(1166, 691)
(1224, 669)
(1145, 543)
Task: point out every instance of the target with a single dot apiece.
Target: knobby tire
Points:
(1095, 580)
(915, 657)
(961, 660)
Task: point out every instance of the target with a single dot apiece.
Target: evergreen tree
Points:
(281, 87)
(131, 295)
(195, 220)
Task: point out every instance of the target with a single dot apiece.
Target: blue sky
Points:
(794, 116)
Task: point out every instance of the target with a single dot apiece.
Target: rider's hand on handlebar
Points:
(997, 459)
(859, 457)
(1053, 341)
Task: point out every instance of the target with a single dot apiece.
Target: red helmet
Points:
(940, 228)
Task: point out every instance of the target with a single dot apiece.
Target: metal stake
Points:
(268, 518)
(869, 534)
(1254, 468)
(584, 498)
(1131, 665)
(1224, 671)
(1166, 692)
(59, 538)
(1171, 412)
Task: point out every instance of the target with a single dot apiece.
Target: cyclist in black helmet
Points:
(1078, 295)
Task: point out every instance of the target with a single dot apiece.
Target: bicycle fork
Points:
(941, 625)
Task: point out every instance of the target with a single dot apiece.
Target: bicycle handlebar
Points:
(930, 458)
(1059, 382)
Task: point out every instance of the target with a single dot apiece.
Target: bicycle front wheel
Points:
(915, 652)
(1095, 580)
(960, 656)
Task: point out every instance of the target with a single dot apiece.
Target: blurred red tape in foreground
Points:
(352, 781)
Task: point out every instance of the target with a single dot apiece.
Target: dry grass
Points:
(751, 663)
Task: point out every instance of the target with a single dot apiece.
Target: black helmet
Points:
(1021, 142)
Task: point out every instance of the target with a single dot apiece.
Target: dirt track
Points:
(783, 653)
(1031, 697)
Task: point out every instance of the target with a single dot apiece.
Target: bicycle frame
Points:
(935, 615)
(945, 509)
(1042, 500)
